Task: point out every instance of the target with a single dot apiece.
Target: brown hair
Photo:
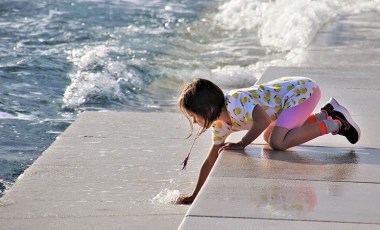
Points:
(203, 98)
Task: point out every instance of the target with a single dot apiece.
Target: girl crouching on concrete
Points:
(281, 109)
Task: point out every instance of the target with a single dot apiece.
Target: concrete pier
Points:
(103, 172)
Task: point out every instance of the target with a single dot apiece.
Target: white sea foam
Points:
(99, 74)
(296, 23)
(285, 26)
(225, 74)
(166, 196)
(242, 76)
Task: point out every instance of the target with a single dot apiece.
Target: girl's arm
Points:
(204, 172)
(261, 121)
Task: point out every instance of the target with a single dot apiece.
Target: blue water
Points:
(59, 57)
(40, 44)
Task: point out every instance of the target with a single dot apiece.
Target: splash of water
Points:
(166, 196)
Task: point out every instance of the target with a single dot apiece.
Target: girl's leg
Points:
(291, 130)
(313, 118)
(290, 120)
(283, 138)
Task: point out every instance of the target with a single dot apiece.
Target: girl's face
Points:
(196, 119)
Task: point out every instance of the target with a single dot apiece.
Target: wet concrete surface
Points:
(303, 163)
(103, 173)
(269, 224)
(318, 185)
(289, 200)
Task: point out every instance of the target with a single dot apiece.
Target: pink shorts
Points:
(297, 115)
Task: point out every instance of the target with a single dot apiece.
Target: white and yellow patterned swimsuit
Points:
(273, 97)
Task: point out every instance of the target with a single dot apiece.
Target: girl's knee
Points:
(277, 138)
(277, 145)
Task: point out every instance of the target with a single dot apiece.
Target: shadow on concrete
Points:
(337, 156)
(318, 155)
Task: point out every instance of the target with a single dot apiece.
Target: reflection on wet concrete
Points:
(286, 201)
(305, 182)
(331, 166)
(298, 201)
(302, 163)
(311, 156)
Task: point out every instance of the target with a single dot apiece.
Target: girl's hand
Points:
(182, 199)
(232, 146)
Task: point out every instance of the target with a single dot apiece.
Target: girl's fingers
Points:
(230, 146)
(184, 200)
(220, 150)
(224, 147)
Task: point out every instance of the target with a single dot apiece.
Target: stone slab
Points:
(205, 222)
(302, 163)
(299, 200)
(103, 172)
(152, 125)
(324, 57)
(115, 222)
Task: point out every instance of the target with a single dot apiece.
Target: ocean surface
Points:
(59, 57)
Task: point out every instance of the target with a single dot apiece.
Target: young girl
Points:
(282, 109)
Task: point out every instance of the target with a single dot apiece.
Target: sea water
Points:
(60, 57)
